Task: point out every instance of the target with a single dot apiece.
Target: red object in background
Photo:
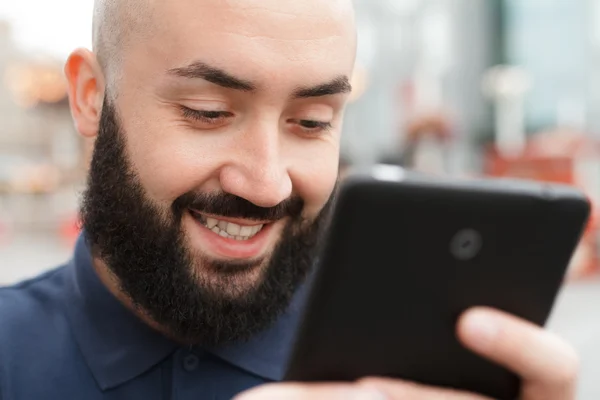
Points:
(554, 158)
(70, 229)
(547, 169)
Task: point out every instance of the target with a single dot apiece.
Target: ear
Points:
(86, 91)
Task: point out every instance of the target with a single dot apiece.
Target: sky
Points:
(49, 27)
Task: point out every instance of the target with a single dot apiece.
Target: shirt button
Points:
(191, 362)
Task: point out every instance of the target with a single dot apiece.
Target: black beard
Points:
(145, 248)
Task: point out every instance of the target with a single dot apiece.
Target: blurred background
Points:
(479, 88)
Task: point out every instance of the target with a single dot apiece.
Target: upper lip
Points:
(238, 221)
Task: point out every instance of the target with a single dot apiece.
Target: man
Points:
(217, 127)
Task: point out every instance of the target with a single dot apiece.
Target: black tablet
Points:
(405, 256)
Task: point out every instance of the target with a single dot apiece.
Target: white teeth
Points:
(230, 230)
(233, 229)
(246, 231)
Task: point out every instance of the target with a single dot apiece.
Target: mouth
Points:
(227, 229)
(232, 238)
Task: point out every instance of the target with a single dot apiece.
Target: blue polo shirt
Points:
(64, 336)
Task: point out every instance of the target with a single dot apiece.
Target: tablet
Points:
(406, 255)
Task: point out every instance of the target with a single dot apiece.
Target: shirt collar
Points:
(267, 353)
(118, 346)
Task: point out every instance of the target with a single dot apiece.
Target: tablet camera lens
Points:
(466, 244)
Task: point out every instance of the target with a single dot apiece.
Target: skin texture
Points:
(262, 150)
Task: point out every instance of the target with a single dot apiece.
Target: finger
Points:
(401, 390)
(312, 392)
(545, 362)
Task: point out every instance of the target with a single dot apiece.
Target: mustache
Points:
(232, 206)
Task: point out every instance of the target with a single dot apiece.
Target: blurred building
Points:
(423, 56)
(40, 155)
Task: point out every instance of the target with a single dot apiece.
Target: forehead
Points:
(261, 39)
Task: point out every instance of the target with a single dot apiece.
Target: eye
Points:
(313, 127)
(206, 116)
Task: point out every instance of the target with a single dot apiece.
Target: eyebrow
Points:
(217, 76)
(200, 70)
(339, 85)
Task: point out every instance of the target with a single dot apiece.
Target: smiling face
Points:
(216, 155)
(264, 155)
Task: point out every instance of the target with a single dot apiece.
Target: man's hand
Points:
(547, 365)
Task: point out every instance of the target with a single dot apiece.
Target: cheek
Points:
(315, 175)
(162, 159)
(168, 165)
(173, 170)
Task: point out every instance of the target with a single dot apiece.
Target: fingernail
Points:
(481, 328)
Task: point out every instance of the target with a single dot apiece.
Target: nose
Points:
(257, 171)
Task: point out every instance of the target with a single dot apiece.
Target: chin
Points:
(230, 279)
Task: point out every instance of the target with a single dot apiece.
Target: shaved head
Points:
(116, 23)
(119, 23)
